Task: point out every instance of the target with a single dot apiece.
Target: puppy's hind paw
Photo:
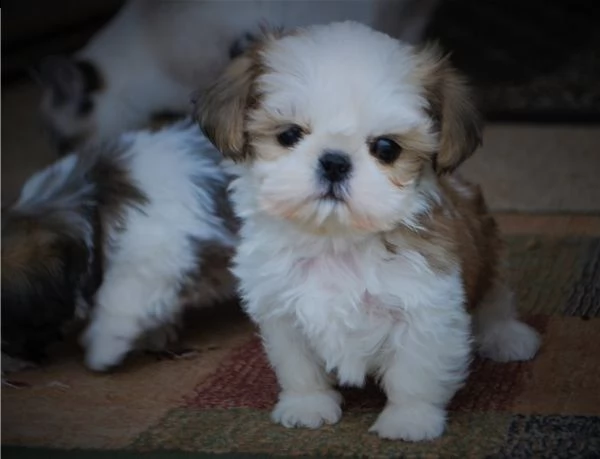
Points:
(509, 341)
(310, 410)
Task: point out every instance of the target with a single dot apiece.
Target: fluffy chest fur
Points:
(353, 303)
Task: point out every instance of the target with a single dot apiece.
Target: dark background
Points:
(531, 60)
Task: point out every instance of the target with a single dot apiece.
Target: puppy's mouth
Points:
(334, 193)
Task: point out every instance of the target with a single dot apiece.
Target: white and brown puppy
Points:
(360, 254)
(154, 53)
(127, 235)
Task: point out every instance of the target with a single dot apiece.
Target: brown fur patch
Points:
(479, 244)
(27, 244)
(459, 231)
(389, 246)
(451, 107)
(221, 110)
(115, 191)
(212, 280)
(160, 120)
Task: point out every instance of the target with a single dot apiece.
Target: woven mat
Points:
(218, 402)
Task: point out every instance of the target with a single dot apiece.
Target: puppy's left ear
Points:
(452, 108)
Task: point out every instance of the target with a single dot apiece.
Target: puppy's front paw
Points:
(508, 341)
(416, 422)
(105, 356)
(308, 410)
(103, 350)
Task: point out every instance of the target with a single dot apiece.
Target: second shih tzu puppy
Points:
(126, 235)
(360, 253)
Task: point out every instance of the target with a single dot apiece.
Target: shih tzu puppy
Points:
(126, 235)
(360, 253)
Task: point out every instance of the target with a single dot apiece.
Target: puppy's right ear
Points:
(221, 110)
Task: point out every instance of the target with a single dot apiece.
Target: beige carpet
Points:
(525, 168)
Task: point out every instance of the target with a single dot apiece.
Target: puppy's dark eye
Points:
(385, 150)
(291, 136)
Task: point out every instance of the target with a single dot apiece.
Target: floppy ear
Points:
(452, 108)
(221, 110)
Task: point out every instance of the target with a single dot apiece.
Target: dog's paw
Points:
(509, 341)
(411, 423)
(103, 351)
(308, 410)
(106, 356)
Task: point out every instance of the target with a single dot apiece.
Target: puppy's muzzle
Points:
(335, 166)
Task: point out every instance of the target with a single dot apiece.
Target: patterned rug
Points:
(216, 402)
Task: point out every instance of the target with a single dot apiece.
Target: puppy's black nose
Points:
(335, 166)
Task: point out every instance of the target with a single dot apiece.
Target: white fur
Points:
(500, 335)
(331, 302)
(153, 55)
(148, 260)
(353, 311)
